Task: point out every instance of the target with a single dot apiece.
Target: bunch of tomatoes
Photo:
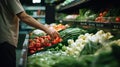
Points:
(40, 42)
(102, 18)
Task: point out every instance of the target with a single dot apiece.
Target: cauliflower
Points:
(37, 32)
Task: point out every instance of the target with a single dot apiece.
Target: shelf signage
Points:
(116, 26)
(91, 24)
(99, 25)
(83, 23)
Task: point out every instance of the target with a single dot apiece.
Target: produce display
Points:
(41, 42)
(88, 43)
(39, 39)
(77, 47)
(71, 33)
(36, 33)
(87, 50)
(59, 27)
(104, 16)
(108, 15)
(68, 2)
(86, 15)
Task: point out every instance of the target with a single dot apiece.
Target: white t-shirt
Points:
(9, 22)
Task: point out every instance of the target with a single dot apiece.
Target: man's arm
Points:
(34, 23)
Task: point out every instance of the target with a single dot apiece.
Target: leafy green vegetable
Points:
(69, 62)
(90, 48)
(71, 33)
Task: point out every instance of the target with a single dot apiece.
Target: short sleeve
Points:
(15, 6)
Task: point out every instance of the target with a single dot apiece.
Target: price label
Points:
(99, 25)
(91, 24)
(83, 23)
(116, 26)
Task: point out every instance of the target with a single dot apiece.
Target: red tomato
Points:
(101, 14)
(31, 45)
(38, 48)
(37, 41)
(48, 37)
(38, 44)
(117, 19)
(48, 44)
(41, 40)
(60, 39)
(54, 42)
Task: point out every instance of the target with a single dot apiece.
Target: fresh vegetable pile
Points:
(40, 42)
(108, 15)
(86, 15)
(59, 27)
(105, 15)
(104, 57)
(36, 33)
(45, 59)
(85, 50)
(87, 43)
(71, 33)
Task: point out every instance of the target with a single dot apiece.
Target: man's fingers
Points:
(54, 35)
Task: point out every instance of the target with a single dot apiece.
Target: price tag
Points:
(99, 25)
(91, 24)
(83, 23)
(116, 26)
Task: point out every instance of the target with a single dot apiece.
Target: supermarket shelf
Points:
(92, 4)
(72, 7)
(41, 16)
(57, 2)
(115, 25)
(34, 7)
(111, 25)
(73, 4)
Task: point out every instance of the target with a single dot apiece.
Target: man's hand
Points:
(34, 23)
(53, 33)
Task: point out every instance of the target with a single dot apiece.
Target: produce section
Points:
(80, 44)
(87, 47)
(88, 39)
(40, 42)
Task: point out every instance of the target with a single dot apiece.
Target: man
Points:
(11, 11)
